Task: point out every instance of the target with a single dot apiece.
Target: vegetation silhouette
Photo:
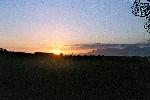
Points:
(38, 76)
(142, 10)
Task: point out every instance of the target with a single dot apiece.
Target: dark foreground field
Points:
(46, 78)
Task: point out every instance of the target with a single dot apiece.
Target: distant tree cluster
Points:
(142, 10)
(3, 50)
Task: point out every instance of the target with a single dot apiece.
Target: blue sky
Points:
(43, 25)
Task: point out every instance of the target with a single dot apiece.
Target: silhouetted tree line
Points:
(3, 50)
(75, 57)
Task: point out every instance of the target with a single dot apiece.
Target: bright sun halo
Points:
(57, 52)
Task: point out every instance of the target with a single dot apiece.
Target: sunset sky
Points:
(65, 25)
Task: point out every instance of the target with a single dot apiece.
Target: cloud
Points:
(124, 50)
(139, 49)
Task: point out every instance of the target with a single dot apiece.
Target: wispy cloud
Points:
(138, 49)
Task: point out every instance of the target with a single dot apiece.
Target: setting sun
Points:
(57, 52)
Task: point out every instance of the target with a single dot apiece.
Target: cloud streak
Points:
(139, 49)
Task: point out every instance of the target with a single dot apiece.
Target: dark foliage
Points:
(142, 10)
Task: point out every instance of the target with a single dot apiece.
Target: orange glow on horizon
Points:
(57, 52)
(66, 50)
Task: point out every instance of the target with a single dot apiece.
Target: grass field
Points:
(70, 78)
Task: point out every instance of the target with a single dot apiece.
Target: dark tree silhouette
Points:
(142, 10)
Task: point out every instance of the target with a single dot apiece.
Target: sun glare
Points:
(57, 52)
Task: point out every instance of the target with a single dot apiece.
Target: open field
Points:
(43, 78)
